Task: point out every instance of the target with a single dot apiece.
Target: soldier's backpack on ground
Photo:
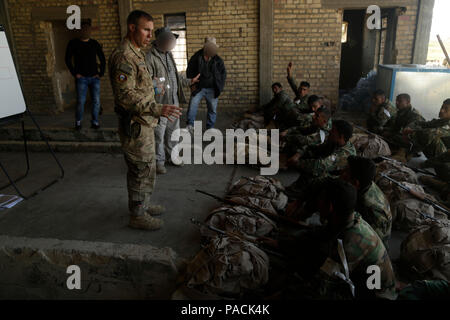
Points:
(227, 267)
(370, 146)
(407, 214)
(259, 187)
(238, 219)
(426, 252)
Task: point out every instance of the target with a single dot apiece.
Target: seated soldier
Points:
(319, 161)
(290, 116)
(380, 112)
(441, 183)
(298, 138)
(431, 137)
(372, 204)
(301, 91)
(267, 111)
(362, 247)
(406, 117)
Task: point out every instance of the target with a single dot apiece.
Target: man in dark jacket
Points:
(211, 83)
(84, 52)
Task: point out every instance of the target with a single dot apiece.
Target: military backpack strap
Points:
(346, 276)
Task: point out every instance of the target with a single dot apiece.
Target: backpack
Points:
(260, 187)
(426, 251)
(238, 219)
(370, 146)
(227, 267)
(408, 214)
(396, 171)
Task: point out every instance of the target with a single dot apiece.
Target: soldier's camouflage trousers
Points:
(140, 184)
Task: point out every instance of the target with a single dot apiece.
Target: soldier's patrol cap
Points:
(164, 33)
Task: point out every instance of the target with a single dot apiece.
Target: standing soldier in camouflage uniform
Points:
(380, 112)
(372, 204)
(138, 116)
(301, 92)
(432, 137)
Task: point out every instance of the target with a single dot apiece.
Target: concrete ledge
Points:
(35, 268)
(62, 146)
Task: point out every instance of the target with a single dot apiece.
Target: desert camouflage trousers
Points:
(140, 184)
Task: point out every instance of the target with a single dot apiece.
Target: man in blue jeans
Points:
(84, 52)
(213, 74)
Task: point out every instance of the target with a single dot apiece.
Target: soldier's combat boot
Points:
(155, 210)
(145, 222)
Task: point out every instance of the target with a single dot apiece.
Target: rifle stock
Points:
(419, 195)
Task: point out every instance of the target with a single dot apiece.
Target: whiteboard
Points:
(12, 101)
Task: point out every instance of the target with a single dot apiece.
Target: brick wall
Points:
(301, 29)
(235, 25)
(305, 32)
(35, 60)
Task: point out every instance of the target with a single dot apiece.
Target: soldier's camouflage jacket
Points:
(301, 102)
(275, 107)
(432, 137)
(403, 119)
(134, 101)
(375, 210)
(364, 248)
(320, 160)
(441, 164)
(379, 117)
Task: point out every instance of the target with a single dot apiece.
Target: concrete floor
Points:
(90, 203)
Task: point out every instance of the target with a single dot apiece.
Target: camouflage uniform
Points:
(432, 137)
(406, 118)
(301, 102)
(138, 116)
(378, 118)
(269, 110)
(317, 161)
(307, 134)
(374, 208)
(364, 248)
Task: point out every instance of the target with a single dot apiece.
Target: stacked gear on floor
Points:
(230, 264)
(425, 253)
(370, 146)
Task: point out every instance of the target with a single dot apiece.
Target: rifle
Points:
(427, 216)
(418, 195)
(417, 170)
(236, 235)
(267, 212)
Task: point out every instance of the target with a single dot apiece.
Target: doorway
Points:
(363, 49)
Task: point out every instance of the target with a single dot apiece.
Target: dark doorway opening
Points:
(352, 47)
(363, 49)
